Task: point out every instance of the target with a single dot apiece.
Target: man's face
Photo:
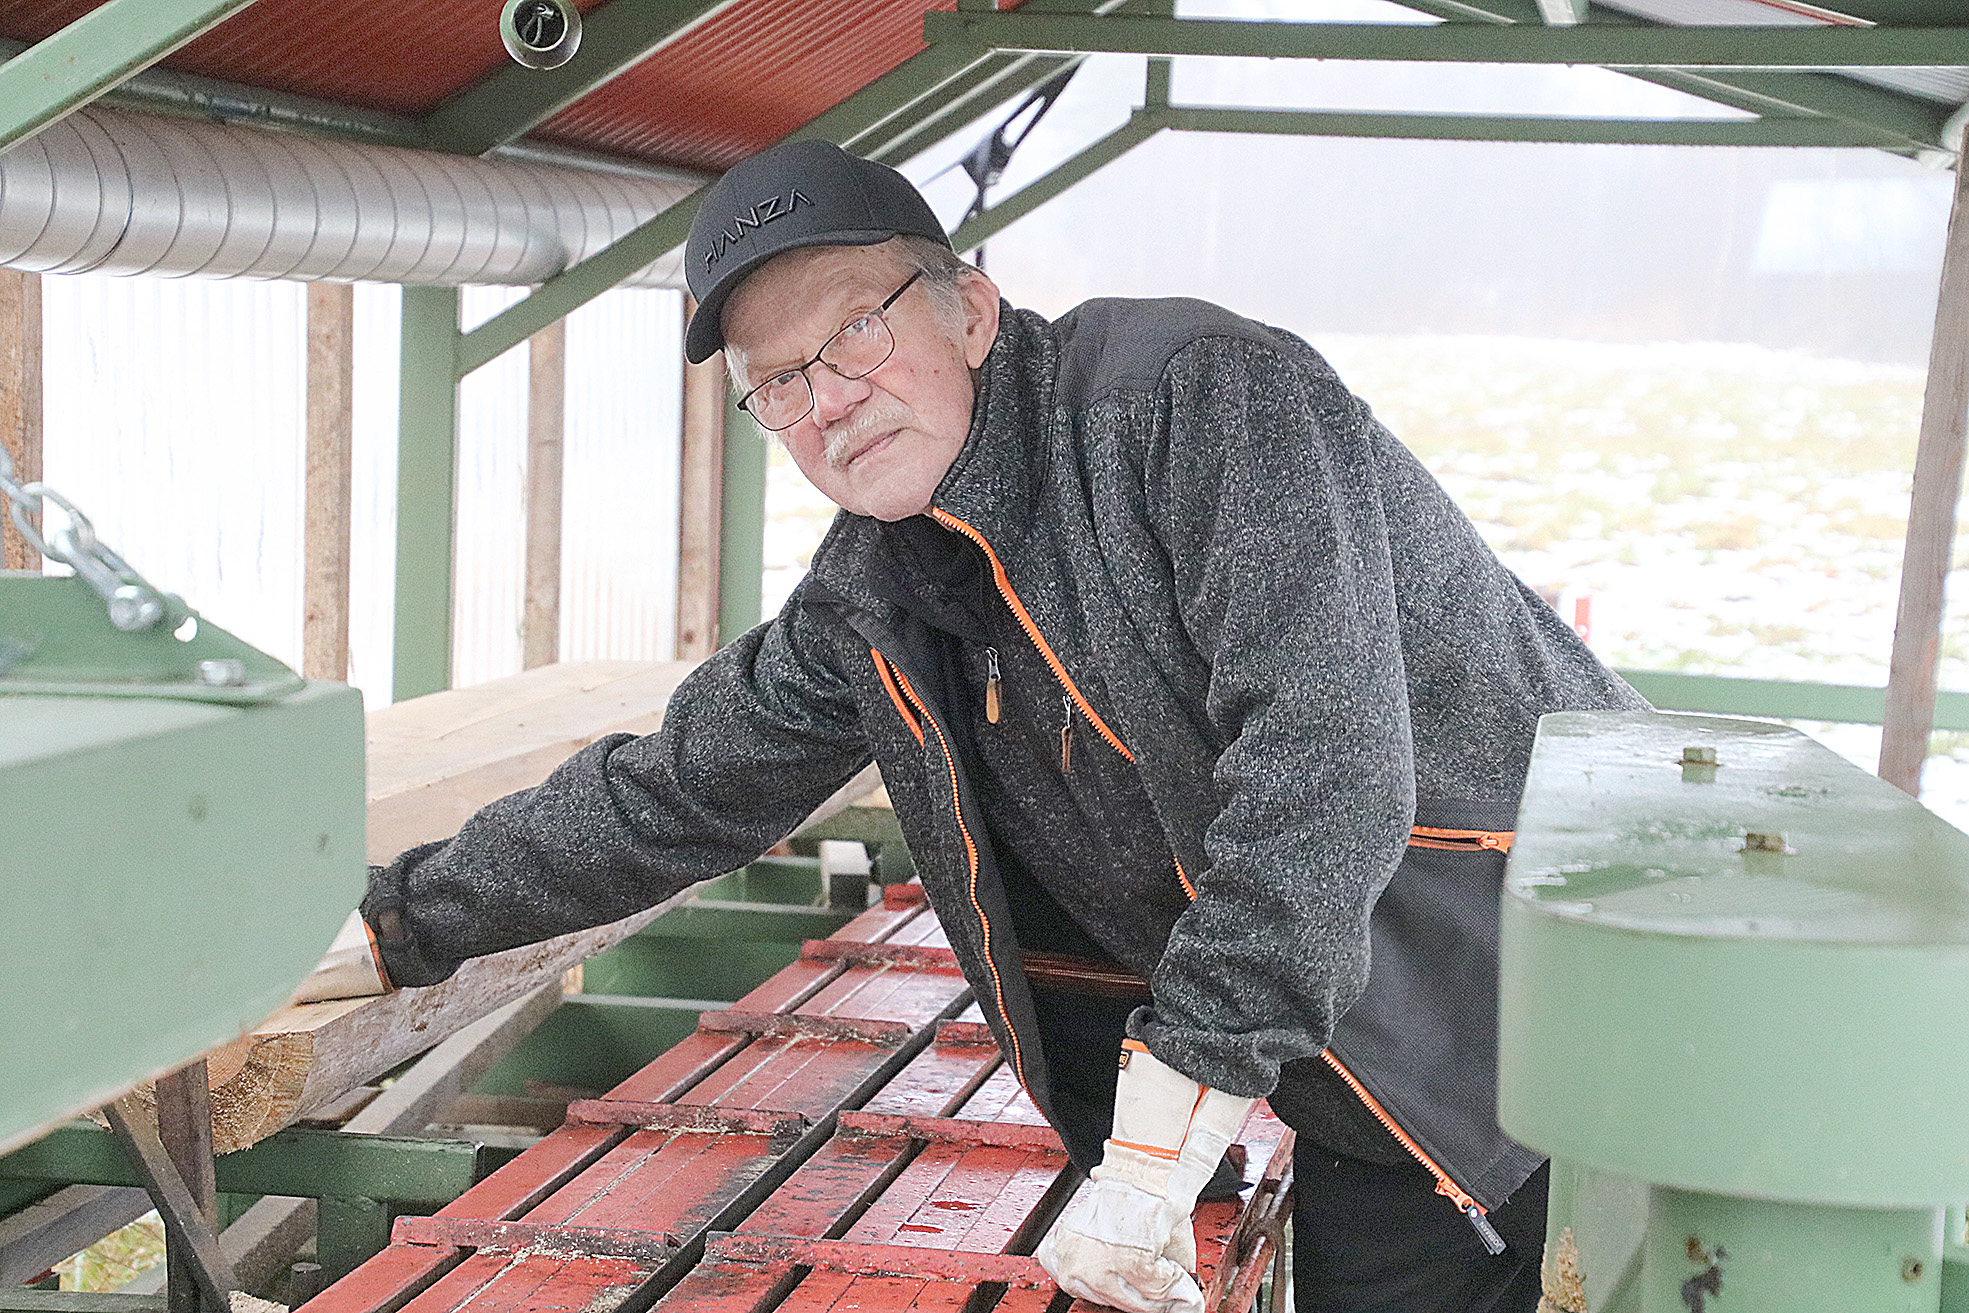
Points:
(876, 445)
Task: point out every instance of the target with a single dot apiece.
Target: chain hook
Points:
(134, 605)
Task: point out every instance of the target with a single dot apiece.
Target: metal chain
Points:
(133, 603)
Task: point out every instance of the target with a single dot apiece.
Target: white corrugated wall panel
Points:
(619, 548)
(176, 419)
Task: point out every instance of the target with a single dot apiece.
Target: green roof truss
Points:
(97, 51)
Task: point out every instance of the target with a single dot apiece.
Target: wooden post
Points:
(1911, 672)
(540, 622)
(20, 400)
(184, 1126)
(700, 506)
(325, 520)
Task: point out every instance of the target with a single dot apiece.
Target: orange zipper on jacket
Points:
(895, 694)
(970, 852)
(1420, 836)
(1446, 1186)
(1026, 622)
(1430, 836)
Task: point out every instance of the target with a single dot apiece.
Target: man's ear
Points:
(981, 300)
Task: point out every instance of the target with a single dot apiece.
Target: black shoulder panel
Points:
(1110, 344)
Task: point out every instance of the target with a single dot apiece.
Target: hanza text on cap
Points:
(758, 215)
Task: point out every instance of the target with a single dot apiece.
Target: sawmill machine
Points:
(181, 827)
(1732, 981)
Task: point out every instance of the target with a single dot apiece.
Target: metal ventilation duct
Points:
(115, 192)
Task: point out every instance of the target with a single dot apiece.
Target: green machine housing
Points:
(181, 834)
(1732, 1009)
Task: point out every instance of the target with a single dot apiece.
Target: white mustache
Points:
(848, 437)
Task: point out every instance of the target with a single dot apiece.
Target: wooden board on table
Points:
(433, 761)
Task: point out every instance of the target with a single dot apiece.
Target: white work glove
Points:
(353, 967)
(1126, 1239)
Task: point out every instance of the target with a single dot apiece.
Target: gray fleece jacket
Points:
(1265, 622)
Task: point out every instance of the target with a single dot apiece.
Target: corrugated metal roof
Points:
(405, 56)
(733, 85)
(744, 79)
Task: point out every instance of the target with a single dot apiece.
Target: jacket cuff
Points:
(1232, 1063)
(385, 911)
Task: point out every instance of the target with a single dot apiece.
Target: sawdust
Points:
(254, 1091)
(245, 1303)
(1564, 1288)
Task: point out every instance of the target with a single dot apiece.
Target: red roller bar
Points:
(845, 1136)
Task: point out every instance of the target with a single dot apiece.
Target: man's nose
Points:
(834, 396)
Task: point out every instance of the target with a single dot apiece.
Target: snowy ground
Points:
(1727, 509)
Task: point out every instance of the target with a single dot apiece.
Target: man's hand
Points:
(352, 968)
(1125, 1240)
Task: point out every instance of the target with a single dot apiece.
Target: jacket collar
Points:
(993, 484)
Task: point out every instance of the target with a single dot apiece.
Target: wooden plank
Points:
(327, 499)
(699, 518)
(40, 1235)
(1911, 671)
(20, 400)
(435, 760)
(540, 620)
(307, 1055)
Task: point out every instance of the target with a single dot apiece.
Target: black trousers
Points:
(1374, 1239)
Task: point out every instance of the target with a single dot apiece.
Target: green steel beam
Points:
(1527, 128)
(1783, 699)
(94, 53)
(577, 285)
(1138, 129)
(882, 102)
(1606, 45)
(513, 100)
(989, 84)
(427, 454)
(892, 101)
(742, 525)
(985, 86)
(310, 1164)
(1919, 121)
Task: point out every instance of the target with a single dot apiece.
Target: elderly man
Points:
(1203, 710)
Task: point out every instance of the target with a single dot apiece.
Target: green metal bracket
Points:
(93, 54)
(427, 455)
(349, 1231)
(1721, 951)
(1605, 45)
(139, 839)
(513, 100)
(311, 1164)
(56, 638)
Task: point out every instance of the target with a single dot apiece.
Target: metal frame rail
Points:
(846, 1135)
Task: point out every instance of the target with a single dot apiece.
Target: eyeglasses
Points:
(857, 349)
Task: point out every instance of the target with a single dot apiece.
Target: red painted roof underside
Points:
(728, 89)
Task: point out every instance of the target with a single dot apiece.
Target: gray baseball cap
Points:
(801, 193)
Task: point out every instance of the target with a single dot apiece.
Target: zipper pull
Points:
(992, 681)
(1066, 736)
(1485, 1231)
